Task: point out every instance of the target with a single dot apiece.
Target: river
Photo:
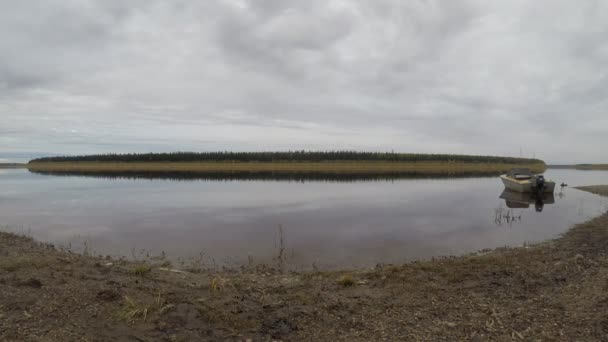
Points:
(326, 223)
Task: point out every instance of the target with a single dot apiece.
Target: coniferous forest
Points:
(289, 156)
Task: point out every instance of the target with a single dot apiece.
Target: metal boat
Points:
(523, 180)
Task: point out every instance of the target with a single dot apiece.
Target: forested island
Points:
(335, 162)
(289, 156)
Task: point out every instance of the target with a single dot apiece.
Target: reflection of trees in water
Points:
(266, 176)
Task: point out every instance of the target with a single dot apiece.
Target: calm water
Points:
(331, 224)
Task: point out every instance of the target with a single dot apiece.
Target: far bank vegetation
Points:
(338, 162)
(289, 156)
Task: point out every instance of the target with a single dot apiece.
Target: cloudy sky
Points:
(471, 77)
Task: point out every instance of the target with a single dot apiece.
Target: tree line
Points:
(289, 156)
(269, 176)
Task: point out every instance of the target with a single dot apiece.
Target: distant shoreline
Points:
(580, 167)
(328, 167)
(12, 166)
(286, 162)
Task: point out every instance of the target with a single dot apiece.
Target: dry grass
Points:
(133, 311)
(216, 284)
(320, 167)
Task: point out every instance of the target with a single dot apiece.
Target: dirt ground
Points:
(554, 291)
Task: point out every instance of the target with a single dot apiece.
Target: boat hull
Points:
(525, 185)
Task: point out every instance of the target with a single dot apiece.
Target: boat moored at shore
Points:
(523, 180)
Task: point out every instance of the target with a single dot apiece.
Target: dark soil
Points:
(554, 291)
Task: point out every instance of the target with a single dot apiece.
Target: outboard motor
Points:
(539, 204)
(540, 184)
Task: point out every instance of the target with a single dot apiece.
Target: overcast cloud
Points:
(471, 77)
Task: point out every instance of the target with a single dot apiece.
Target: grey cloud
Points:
(417, 76)
(44, 41)
(286, 38)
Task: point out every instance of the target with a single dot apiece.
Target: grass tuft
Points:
(346, 280)
(216, 284)
(133, 311)
(142, 270)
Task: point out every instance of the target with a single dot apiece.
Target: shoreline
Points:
(12, 166)
(581, 167)
(554, 290)
(336, 167)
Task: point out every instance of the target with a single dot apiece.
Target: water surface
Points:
(352, 223)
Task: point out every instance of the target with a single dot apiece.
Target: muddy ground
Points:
(554, 291)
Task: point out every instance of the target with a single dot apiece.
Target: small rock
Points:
(578, 257)
(450, 324)
(107, 295)
(32, 282)
(560, 279)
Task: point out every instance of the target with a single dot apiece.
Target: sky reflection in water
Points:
(329, 223)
